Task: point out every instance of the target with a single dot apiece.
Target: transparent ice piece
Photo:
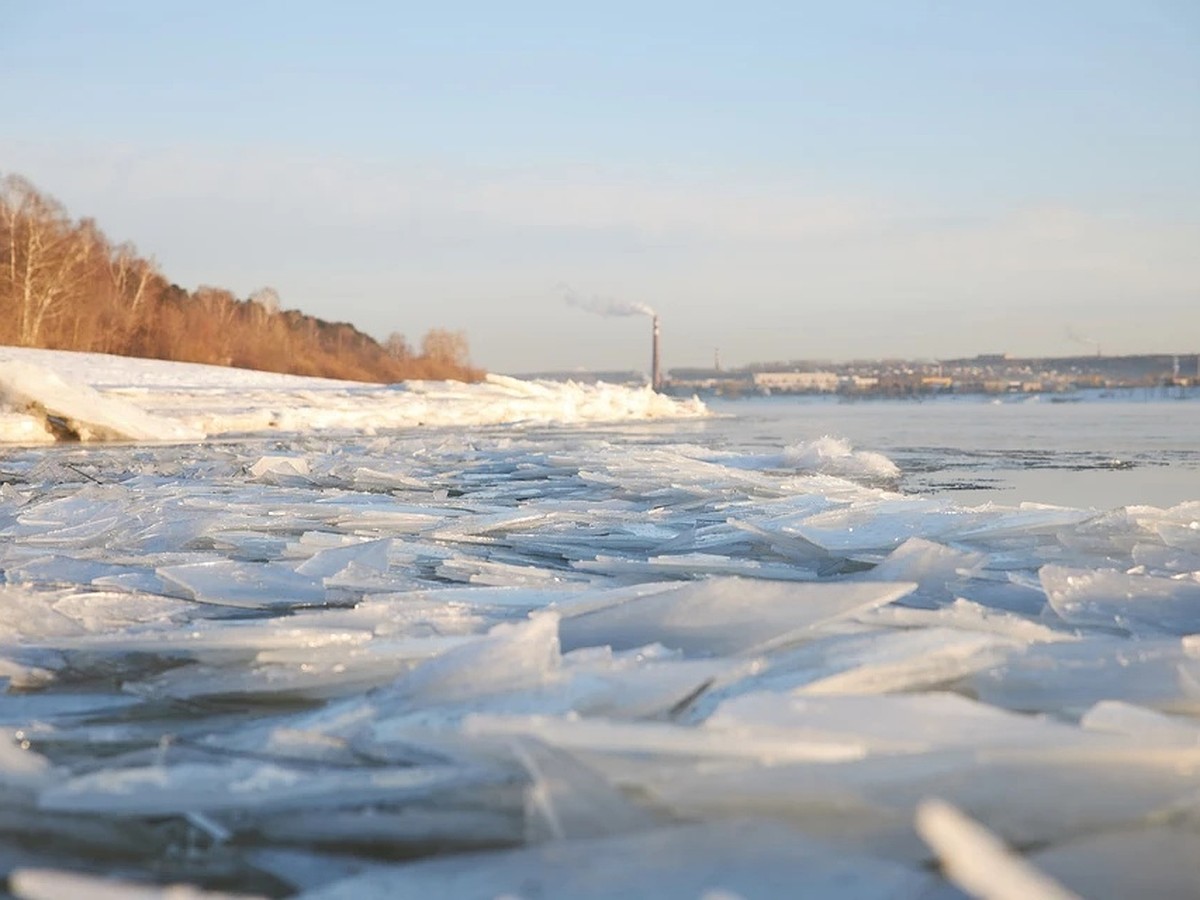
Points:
(909, 660)
(279, 469)
(898, 723)
(879, 526)
(722, 616)
(58, 570)
(510, 657)
(662, 744)
(244, 584)
(1026, 796)
(938, 570)
(1117, 717)
(329, 562)
(1163, 559)
(499, 574)
(695, 565)
(1140, 604)
(565, 799)
(1068, 678)
(964, 615)
(239, 784)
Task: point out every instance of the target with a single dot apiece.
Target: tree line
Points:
(64, 285)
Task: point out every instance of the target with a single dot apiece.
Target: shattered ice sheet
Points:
(615, 649)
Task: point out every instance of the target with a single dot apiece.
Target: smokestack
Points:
(655, 372)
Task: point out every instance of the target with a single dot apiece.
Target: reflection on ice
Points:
(598, 661)
(1156, 861)
(751, 859)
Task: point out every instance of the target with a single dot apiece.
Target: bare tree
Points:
(214, 332)
(45, 255)
(266, 299)
(448, 348)
(397, 346)
(131, 281)
(131, 276)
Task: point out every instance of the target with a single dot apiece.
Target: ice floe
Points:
(563, 642)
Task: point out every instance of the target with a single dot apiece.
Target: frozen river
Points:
(1090, 449)
(592, 645)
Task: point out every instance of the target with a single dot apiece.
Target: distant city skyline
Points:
(779, 181)
(1177, 363)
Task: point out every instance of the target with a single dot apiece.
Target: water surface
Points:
(1132, 447)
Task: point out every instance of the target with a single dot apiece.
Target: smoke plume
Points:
(1076, 338)
(605, 306)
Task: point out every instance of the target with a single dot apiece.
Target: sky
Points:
(779, 181)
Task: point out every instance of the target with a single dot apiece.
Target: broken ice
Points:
(579, 641)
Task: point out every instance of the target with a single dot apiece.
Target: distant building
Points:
(684, 381)
(797, 382)
(859, 383)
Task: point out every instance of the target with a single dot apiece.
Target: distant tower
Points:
(655, 371)
(717, 358)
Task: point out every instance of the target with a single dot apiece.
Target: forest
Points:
(64, 285)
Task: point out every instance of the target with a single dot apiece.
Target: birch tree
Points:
(45, 259)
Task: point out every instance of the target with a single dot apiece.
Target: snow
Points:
(99, 397)
(291, 637)
(33, 394)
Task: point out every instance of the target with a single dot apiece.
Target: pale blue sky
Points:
(790, 180)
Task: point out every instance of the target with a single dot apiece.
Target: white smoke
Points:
(605, 306)
(1077, 338)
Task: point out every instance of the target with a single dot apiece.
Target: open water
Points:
(1092, 449)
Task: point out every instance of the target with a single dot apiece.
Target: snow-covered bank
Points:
(46, 395)
(39, 402)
